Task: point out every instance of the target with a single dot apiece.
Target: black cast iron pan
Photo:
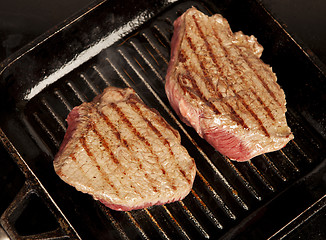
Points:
(127, 43)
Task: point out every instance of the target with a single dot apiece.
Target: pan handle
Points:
(14, 211)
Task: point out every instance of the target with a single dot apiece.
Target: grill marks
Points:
(84, 144)
(73, 157)
(209, 83)
(269, 112)
(246, 82)
(266, 108)
(195, 87)
(250, 65)
(104, 143)
(161, 137)
(160, 119)
(123, 141)
(213, 57)
(115, 160)
(253, 69)
(254, 116)
(138, 135)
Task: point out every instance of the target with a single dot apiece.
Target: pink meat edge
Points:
(72, 120)
(233, 147)
(170, 89)
(175, 42)
(229, 145)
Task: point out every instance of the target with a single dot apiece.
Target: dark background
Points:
(23, 20)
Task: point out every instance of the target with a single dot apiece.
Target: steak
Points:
(123, 153)
(217, 83)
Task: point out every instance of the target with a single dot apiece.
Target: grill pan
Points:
(127, 43)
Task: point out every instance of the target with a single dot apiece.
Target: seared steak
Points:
(217, 83)
(123, 153)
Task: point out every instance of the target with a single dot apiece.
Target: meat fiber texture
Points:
(217, 83)
(123, 153)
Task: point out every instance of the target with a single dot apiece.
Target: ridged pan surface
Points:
(228, 198)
